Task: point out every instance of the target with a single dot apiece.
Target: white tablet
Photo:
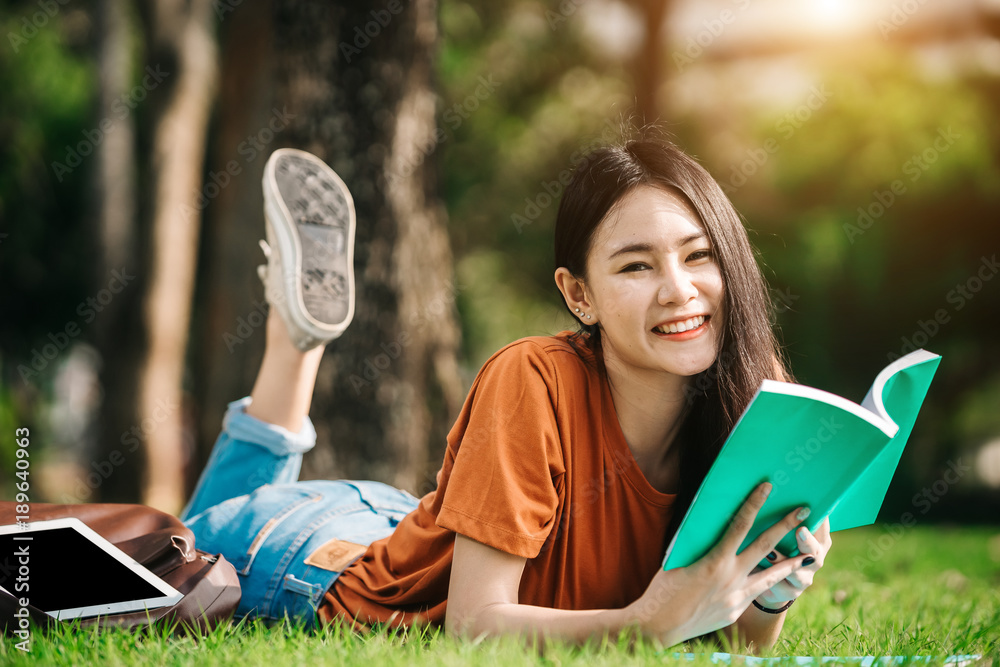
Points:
(68, 571)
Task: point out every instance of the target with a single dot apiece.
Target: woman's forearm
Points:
(541, 622)
(479, 604)
(755, 628)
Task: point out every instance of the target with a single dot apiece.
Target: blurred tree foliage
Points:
(877, 221)
(526, 88)
(48, 88)
(852, 292)
(46, 245)
(501, 171)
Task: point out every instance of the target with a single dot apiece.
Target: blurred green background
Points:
(859, 140)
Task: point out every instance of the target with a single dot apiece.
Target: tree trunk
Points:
(648, 62)
(182, 44)
(358, 81)
(230, 341)
(116, 153)
(117, 330)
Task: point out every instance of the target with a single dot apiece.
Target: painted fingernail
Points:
(773, 555)
(803, 514)
(803, 533)
(807, 561)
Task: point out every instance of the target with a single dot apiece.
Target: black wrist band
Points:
(772, 611)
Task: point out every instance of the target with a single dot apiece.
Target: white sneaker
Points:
(310, 222)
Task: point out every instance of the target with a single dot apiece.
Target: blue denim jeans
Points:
(250, 507)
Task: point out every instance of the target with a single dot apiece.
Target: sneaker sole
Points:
(311, 224)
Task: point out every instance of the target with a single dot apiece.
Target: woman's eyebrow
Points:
(648, 247)
(692, 238)
(632, 247)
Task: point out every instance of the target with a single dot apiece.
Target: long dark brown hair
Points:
(748, 351)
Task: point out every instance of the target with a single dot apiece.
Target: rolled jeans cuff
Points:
(238, 425)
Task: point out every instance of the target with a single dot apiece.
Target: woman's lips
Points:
(693, 327)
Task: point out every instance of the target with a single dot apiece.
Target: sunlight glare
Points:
(835, 14)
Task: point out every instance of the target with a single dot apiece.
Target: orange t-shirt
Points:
(536, 466)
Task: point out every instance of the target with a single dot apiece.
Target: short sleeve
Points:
(502, 489)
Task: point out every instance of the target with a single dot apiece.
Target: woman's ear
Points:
(574, 291)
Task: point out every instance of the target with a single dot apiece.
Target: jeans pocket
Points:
(266, 510)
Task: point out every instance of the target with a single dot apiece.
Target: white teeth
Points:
(679, 327)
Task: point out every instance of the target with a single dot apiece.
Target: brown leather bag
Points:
(161, 543)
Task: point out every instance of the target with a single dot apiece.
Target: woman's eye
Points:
(699, 254)
(638, 266)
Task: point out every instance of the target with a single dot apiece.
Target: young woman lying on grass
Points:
(574, 457)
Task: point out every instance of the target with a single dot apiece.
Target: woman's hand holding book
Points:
(715, 591)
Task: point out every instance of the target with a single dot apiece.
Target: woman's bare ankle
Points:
(283, 390)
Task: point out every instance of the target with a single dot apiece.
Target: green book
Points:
(817, 449)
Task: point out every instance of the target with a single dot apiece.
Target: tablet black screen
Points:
(66, 570)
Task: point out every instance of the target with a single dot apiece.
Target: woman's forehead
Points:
(661, 214)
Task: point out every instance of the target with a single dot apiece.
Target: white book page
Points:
(873, 401)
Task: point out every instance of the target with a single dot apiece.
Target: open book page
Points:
(896, 395)
(809, 444)
(813, 446)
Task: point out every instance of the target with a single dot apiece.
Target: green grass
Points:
(927, 591)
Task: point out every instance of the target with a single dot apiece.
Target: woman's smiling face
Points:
(654, 285)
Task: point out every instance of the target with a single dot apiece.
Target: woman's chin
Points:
(690, 367)
(693, 372)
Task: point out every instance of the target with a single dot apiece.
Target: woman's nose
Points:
(678, 287)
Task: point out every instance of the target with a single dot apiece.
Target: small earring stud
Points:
(577, 309)
(589, 316)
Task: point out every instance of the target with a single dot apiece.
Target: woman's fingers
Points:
(774, 575)
(743, 521)
(822, 534)
(808, 544)
(815, 545)
(819, 544)
(768, 540)
(775, 556)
